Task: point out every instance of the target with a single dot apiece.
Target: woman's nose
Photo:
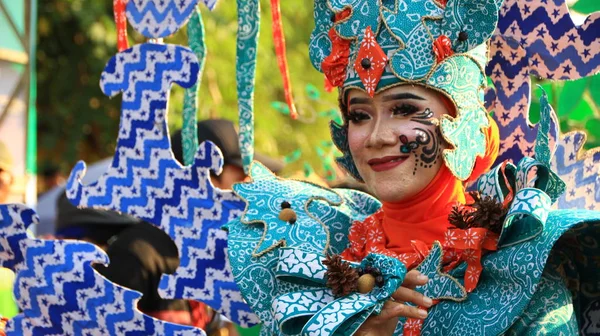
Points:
(382, 135)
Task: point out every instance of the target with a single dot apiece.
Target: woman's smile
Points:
(386, 162)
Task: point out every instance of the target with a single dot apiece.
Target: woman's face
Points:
(395, 139)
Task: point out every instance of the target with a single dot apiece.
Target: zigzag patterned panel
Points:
(159, 18)
(145, 181)
(59, 293)
(535, 38)
(539, 38)
(581, 172)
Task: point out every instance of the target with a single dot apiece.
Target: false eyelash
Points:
(404, 109)
(355, 116)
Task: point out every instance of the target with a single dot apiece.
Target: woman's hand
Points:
(385, 323)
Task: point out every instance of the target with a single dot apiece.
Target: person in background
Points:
(51, 177)
(223, 134)
(139, 254)
(146, 252)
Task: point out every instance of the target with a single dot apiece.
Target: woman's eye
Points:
(404, 109)
(356, 117)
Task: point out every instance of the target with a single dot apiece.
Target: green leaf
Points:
(582, 112)
(312, 92)
(592, 127)
(534, 112)
(308, 169)
(595, 89)
(320, 152)
(281, 107)
(586, 6)
(293, 157)
(571, 96)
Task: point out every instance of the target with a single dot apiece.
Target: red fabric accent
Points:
(406, 230)
(334, 66)
(3, 321)
(200, 314)
(279, 40)
(492, 146)
(508, 199)
(442, 48)
(121, 22)
(371, 50)
(173, 316)
(328, 86)
(412, 327)
(424, 216)
(472, 242)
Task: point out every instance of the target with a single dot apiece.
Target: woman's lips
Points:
(386, 163)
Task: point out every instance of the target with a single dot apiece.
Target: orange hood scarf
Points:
(424, 217)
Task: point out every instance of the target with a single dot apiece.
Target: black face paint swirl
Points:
(430, 143)
(424, 117)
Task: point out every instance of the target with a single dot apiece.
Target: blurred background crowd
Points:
(52, 114)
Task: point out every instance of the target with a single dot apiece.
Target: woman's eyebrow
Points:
(358, 100)
(400, 96)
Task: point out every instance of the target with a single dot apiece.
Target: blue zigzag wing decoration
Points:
(59, 293)
(535, 38)
(580, 170)
(323, 215)
(159, 18)
(145, 181)
(14, 221)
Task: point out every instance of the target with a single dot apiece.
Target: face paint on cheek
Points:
(430, 143)
(425, 118)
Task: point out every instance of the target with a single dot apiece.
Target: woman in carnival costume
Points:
(499, 260)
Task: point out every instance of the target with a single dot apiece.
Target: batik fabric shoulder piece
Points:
(59, 292)
(159, 18)
(288, 214)
(145, 181)
(437, 44)
(536, 38)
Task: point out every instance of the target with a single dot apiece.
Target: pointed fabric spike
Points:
(189, 132)
(279, 39)
(121, 23)
(247, 44)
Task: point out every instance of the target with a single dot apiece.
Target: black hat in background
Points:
(99, 225)
(222, 133)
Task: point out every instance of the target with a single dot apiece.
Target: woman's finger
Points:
(414, 278)
(394, 309)
(404, 294)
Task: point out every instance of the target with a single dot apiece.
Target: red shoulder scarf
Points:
(424, 217)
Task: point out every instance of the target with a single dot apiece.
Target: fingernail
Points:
(422, 313)
(427, 301)
(422, 278)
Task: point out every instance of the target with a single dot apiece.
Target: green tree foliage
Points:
(76, 121)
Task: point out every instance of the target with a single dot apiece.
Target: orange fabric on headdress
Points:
(424, 216)
(492, 146)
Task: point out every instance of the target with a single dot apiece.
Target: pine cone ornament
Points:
(341, 277)
(460, 217)
(488, 212)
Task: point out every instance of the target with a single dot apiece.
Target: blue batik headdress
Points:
(442, 45)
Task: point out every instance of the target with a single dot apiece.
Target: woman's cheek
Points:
(356, 141)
